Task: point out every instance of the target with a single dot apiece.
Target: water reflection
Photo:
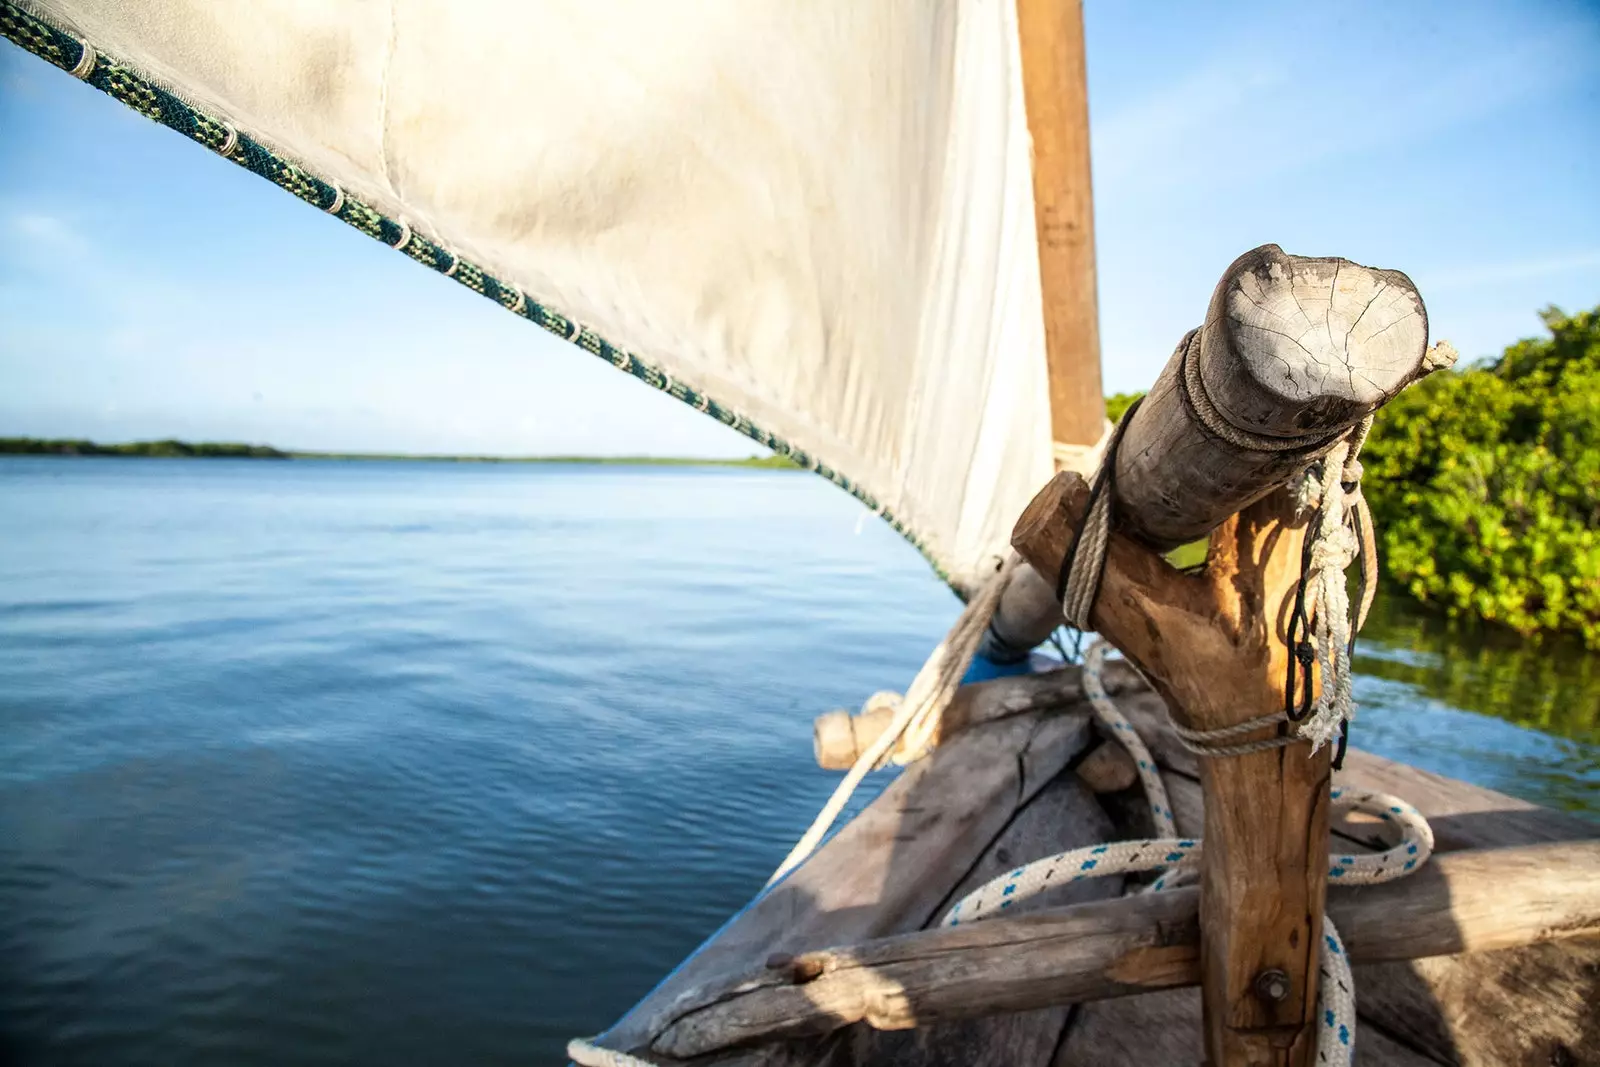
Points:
(1534, 729)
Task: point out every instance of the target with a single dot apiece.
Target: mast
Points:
(1056, 92)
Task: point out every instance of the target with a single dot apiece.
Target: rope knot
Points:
(1332, 553)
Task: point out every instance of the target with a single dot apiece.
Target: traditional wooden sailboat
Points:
(861, 235)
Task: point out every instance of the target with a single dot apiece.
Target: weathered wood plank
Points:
(892, 865)
(1461, 902)
(1525, 1007)
(1158, 1029)
(1063, 816)
(1461, 1005)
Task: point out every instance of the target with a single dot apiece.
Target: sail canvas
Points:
(814, 221)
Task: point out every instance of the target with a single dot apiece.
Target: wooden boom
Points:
(1294, 351)
(1055, 93)
(1126, 946)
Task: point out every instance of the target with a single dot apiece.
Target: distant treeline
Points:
(34, 446)
(172, 449)
(1484, 483)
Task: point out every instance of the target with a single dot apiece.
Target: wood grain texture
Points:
(1472, 901)
(1292, 347)
(1056, 95)
(1164, 1028)
(1453, 1007)
(891, 866)
(1063, 816)
(1212, 645)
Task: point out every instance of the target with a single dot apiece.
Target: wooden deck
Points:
(1009, 791)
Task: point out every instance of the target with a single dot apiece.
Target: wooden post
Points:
(1056, 94)
(1055, 89)
(1213, 645)
(1294, 351)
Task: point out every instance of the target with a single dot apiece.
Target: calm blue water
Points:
(328, 762)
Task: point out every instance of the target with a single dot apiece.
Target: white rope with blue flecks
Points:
(1177, 858)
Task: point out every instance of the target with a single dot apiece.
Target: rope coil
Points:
(1178, 857)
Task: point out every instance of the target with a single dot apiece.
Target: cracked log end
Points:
(1323, 332)
(1295, 350)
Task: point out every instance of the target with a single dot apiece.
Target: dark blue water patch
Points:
(415, 763)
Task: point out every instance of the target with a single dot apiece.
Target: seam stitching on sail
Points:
(41, 37)
(383, 100)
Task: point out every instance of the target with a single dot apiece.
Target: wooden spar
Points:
(839, 737)
(1460, 902)
(1293, 352)
(1056, 93)
(1055, 88)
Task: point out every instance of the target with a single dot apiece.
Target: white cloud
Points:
(1471, 277)
(1297, 94)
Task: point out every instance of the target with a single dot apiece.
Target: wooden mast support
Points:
(1055, 89)
(1294, 351)
(1056, 94)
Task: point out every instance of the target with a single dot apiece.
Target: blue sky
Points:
(150, 289)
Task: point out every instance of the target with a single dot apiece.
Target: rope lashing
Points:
(1177, 858)
(1078, 582)
(1206, 742)
(918, 715)
(86, 60)
(1333, 546)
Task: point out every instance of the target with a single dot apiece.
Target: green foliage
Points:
(33, 446)
(172, 449)
(1485, 484)
(1118, 403)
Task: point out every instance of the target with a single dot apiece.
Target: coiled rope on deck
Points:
(1342, 532)
(1177, 858)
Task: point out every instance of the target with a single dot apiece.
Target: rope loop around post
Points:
(1078, 583)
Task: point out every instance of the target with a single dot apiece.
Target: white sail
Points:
(818, 214)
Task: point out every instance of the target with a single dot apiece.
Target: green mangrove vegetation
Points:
(173, 449)
(1485, 484)
(165, 449)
